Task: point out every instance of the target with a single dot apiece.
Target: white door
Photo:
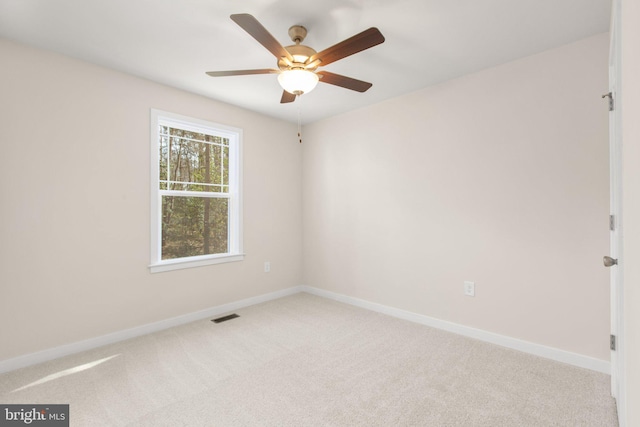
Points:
(615, 226)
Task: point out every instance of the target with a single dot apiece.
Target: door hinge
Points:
(612, 342)
(612, 222)
(610, 96)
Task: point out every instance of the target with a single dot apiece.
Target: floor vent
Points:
(225, 318)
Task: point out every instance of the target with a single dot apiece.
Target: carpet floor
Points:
(307, 361)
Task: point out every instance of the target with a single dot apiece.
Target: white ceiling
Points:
(175, 41)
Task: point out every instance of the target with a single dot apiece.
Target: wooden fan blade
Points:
(343, 81)
(358, 43)
(241, 72)
(257, 31)
(287, 97)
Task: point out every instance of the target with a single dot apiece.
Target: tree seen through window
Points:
(194, 174)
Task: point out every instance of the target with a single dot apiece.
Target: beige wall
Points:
(74, 204)
(499, 177)
(631, 203)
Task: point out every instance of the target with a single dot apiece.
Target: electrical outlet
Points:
(470, 289)
(267, 266)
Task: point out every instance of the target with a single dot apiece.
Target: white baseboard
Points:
(558, 355)
(67, 349)
(504, 341)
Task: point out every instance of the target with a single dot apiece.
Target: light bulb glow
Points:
(298, 82)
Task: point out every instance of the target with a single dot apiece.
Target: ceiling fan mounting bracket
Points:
(297, 33)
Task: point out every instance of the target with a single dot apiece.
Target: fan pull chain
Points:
(299, 122)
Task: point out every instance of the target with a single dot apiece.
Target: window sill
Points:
(178, 264)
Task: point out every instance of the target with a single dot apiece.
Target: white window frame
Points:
(234, 195)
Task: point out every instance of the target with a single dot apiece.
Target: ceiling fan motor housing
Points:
(300, 55)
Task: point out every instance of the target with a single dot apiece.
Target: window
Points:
(196, 208)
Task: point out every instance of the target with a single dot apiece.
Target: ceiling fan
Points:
(297, 64)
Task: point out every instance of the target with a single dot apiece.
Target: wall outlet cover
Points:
(469, 289)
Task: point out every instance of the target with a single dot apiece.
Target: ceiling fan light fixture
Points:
(298, 82)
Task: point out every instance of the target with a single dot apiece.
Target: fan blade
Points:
(287, 97)
(343, 81)
(358, 43)
(241, 72)
(257, 31)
